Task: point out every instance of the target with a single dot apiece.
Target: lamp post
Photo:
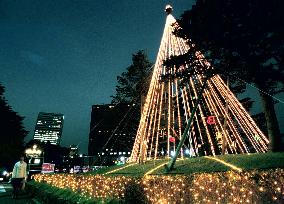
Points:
(33, 153)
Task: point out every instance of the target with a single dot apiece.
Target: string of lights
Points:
(220, 125)
(256, 186)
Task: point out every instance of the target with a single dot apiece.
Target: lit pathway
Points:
(6, 192)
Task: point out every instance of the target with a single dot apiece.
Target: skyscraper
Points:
(110, 134)
(49, 127)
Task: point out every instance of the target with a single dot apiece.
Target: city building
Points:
(112, 132)
(49, 127)
(73, 151)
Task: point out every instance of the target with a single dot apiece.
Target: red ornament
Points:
(172, 139)
(210, 120)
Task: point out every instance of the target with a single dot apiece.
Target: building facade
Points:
(112, 134)
(49, 127)
(73, 151)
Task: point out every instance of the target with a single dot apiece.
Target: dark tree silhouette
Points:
(243, 39)
(55, 153)
(133, 83)
(132, 88)
(12, 133)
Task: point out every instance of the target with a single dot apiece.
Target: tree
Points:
(12, 133)
(55, 153)
(131, 89)
(133, 86)
(243, 39)
(133, 83)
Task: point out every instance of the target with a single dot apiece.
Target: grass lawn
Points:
(189, 166)
(256, 161)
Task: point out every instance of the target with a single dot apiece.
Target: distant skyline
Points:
(64, 56)
(49, 127)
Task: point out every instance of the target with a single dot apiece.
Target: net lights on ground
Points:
(222, 187)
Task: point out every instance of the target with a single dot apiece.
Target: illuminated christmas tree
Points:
(219, 123)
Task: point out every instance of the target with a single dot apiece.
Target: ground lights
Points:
(223, 187)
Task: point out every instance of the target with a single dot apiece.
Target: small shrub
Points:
(134, 193)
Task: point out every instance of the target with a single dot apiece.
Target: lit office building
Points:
(73, 151)
(111, 132)
(49, 127)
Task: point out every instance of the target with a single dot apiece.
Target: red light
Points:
(210, 120)
(172, 139)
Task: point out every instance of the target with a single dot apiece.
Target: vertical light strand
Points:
(159, 122)
(154, 126)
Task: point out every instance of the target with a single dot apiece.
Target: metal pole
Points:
(171, 164)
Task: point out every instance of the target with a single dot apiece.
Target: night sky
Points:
(64, 56)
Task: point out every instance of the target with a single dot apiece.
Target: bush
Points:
(134, 193)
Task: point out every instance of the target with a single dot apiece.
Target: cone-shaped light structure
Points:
(221, 124)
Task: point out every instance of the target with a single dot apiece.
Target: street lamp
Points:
(31, 153)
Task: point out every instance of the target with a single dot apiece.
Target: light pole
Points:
(33, 153)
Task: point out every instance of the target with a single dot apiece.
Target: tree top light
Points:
(168, 9)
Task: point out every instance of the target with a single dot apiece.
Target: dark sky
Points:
(63, 56)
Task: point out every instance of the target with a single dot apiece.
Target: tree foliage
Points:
(134, 82)
(243, 39)
(12, 133)
(132, 88)
(237, 36)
